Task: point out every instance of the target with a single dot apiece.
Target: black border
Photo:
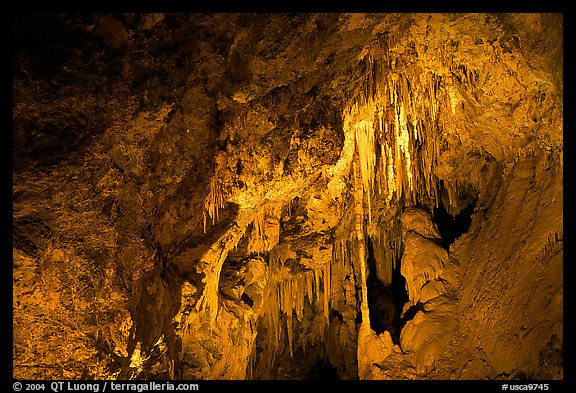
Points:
(335, 6)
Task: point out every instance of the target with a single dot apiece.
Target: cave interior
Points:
(278, 196)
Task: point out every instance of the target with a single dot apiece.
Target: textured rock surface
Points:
(264, 196)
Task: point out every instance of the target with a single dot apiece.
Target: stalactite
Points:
(391, 176)
(251, 363)
(397, 147)
(309, 290)
(327, 290)
(399, 170)
(286, 298)
(403, 140)
(270, 315)
(404, 137)
(265, 229)
(215, 201)
(365, 144)
(290, 333)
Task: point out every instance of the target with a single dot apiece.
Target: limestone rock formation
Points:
(288, 196)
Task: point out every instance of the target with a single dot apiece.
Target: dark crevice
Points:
(411, 313)
(247, 299)
(452, 227)
(385, 301)
(322, 370)
(335, 314)
(400, 294)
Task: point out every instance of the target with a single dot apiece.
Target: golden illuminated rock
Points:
(288, 196)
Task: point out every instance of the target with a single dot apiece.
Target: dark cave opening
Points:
(322, 370)
(452, 227)
(385, 301)
(411, 313)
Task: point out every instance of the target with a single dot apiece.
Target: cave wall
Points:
(524, 263)
(207, 196)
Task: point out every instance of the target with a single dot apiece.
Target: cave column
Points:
(359, 213)
(365, 329)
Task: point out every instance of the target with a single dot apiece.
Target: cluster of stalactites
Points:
(286, 298)
(265, 233)
(394, 118)
(394, 122)
(387, 248)
(215, 200)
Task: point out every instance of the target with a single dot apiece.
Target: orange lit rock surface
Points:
(288, 196)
